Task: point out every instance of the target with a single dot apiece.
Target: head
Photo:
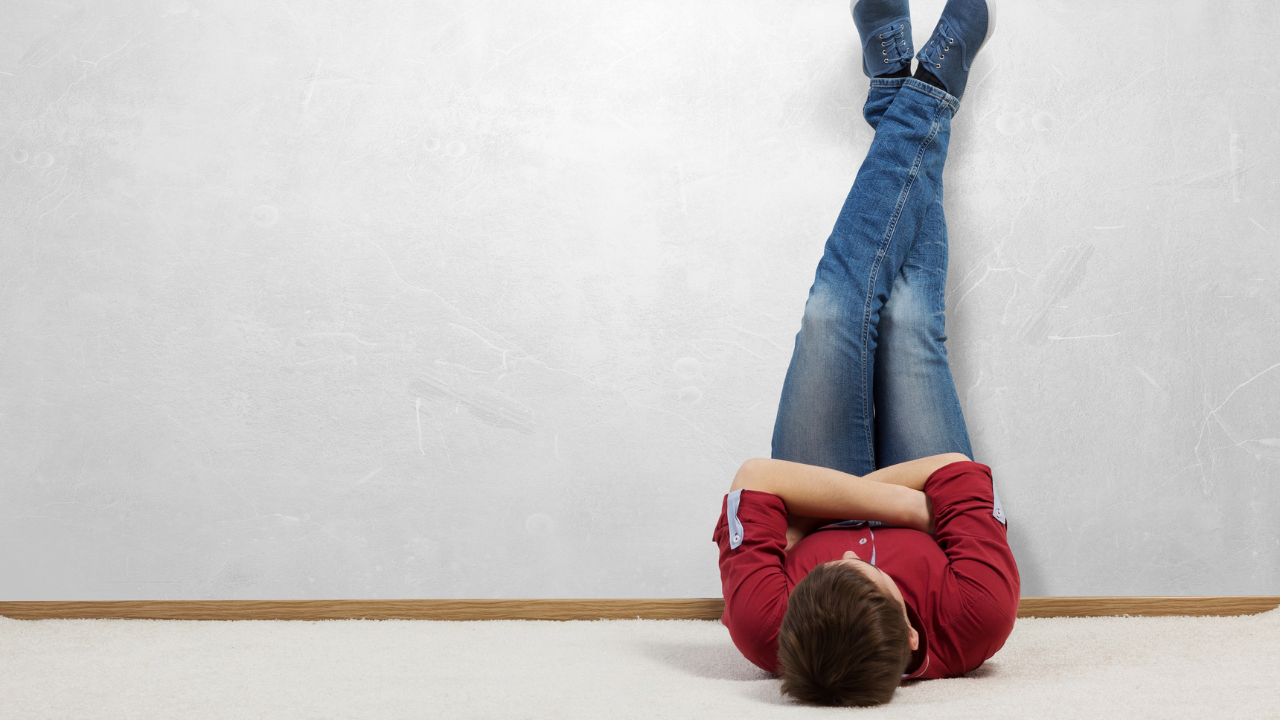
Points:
(845, 639)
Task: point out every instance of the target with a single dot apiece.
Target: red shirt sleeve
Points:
(751, 575)
(970, 528)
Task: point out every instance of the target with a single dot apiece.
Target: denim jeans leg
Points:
(917, 411)
(879, 97)
(825, 415)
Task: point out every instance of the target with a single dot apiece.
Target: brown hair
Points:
(843, 641)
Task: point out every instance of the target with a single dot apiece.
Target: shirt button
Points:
(863, 541)
(736, 537)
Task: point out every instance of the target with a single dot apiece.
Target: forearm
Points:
(812, 492)
(913, 473)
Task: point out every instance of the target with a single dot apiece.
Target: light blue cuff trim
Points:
(873, 545)
(735, 527)
(998, 512)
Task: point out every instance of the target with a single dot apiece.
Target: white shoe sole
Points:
(991, 23)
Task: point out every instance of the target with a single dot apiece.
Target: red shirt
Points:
(961, 587)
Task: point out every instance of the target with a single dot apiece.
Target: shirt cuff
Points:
(735, 526)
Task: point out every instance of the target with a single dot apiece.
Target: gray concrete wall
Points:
(490, 299)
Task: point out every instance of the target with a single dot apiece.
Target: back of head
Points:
(843, 641)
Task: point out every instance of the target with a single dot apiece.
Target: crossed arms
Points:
(816, 496)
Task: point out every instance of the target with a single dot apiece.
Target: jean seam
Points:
(875, 270)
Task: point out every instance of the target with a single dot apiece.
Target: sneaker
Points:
(964, 28)
(885, 29)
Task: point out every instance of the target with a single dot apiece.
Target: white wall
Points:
(490, 299)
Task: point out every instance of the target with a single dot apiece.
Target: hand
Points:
(799, 527)
(928, 525)
(794, 535)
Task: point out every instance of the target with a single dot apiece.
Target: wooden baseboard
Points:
(1148, 606)
(677, 609)
(661, 609)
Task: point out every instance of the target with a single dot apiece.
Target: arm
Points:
(981, 568)
(915, 473)
(811, 492)
(752, 573)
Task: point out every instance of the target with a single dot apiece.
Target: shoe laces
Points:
(935, 51)
(894, 45)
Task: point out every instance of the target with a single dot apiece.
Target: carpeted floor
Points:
(1171, 667)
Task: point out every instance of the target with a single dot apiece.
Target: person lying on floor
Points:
(869, 426)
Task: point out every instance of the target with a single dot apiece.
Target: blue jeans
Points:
(869, 384)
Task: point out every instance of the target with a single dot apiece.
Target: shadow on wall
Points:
(1024, 544)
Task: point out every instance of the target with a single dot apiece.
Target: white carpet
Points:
(1050, 668)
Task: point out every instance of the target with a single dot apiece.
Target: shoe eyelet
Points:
(936, 65)
(886, 62)
(882, 37)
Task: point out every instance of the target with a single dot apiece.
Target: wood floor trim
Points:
(620, 609)
(678, 609)
(1146, 606)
